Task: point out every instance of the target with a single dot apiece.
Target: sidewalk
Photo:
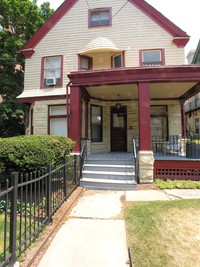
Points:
(94, 234)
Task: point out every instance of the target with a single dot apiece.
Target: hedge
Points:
(33, 152)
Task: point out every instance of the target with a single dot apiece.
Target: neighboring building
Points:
(192, 105)
(108, 72)
(190, 56)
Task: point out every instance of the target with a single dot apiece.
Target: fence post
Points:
(13, 217)
(65, 177)
(75, 171)
(49, 194)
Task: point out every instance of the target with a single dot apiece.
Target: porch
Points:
(109, 108)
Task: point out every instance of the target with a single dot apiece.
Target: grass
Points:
(2, 236)
(164, 233)
(2, 224)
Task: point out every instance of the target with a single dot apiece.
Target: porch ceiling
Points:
(165, 90)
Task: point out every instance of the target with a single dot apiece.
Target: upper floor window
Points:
(117, 61)
(52, 71)
(99, 17)
(152, 57)
(85, 63)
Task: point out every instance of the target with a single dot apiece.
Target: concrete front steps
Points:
(111, 171)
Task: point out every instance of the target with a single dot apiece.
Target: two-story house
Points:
(109, 72)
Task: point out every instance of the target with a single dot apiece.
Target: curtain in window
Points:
(100, 17)
(52, 67)
(58, 126)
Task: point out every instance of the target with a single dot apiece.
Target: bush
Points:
(177, 184)
(34, 152)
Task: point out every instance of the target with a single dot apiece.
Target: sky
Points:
(183, 13)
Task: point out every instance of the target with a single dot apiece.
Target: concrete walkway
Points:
(94, 234)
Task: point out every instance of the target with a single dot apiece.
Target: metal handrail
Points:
(135, 159)
(83, 156)
(134, 149)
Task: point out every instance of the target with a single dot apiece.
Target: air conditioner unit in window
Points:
(50, 81)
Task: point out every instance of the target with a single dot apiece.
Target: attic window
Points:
(152, 57)
(99, 17)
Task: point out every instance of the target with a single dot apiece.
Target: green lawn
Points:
(164, 233)
(2, 236)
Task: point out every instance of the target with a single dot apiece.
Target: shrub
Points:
(177, 184)
(29, 153)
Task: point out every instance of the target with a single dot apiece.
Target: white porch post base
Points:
(146, 166)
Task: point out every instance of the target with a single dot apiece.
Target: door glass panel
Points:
(118, 121)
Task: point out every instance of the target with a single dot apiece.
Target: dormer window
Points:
(99, 17)
(152, 57)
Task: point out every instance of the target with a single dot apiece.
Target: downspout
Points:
(67, 107)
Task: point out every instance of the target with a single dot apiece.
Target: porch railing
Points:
(28, 203)
(170, 146)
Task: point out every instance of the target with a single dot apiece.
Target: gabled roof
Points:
(196, 58)
(180, 37)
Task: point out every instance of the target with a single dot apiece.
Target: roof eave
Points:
(49, 24)
(159, 18)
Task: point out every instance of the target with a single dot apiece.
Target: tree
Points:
(19, 20)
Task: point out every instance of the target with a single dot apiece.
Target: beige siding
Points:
(131, 31)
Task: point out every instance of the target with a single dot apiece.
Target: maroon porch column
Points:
(75, 120)
(144, 116)
(183, 120)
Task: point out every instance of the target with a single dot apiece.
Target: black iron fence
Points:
(28, 202)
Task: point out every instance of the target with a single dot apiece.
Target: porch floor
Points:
(129, 156)
(165, 157)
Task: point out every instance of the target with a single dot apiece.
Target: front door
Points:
(118, 129)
